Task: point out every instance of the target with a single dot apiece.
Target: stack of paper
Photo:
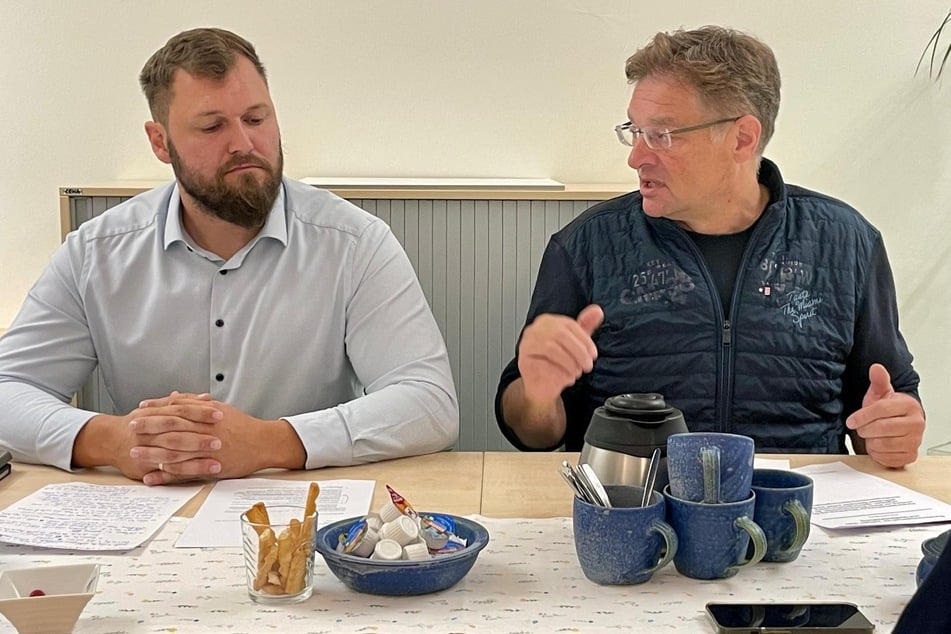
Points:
(846, 498)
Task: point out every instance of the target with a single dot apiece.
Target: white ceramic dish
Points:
(67, 591)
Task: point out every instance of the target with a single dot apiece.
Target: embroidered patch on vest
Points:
(787, 283)
(658, 281)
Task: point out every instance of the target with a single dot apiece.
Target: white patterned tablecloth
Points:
(526, 580)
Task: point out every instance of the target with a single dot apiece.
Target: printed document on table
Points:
(80, 516)
(218, 522)
(846, 498)
(770, 463)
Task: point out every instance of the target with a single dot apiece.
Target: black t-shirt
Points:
(722, 255)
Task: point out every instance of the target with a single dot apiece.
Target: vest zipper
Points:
(723, 407)
(724, 404)
(726, 387)
(724, 395)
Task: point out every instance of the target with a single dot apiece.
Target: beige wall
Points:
(513, 88)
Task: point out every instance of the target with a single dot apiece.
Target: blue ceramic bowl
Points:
(402, 578)
(931, 550)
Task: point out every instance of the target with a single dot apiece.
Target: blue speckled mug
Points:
(625, 544)
(714, 538)
(710, 467)
(783, 509)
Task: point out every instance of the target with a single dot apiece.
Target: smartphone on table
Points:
(788, 618)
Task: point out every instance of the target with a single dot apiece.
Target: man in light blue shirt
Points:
(240, 320)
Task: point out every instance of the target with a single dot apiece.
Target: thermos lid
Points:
(650, 407)
(634, 424)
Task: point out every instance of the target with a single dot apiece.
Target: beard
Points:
(246, 203)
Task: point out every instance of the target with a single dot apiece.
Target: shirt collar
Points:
(275, 226)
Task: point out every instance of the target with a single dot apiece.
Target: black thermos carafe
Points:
(623, 434)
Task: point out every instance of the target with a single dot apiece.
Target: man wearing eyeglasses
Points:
(755, 306)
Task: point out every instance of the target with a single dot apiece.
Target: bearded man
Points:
(240, 320)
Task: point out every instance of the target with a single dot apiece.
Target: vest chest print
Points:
(787, 282)
(658, 281)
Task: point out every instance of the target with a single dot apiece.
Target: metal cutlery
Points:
(568, 475)
(585, 484)
(651, 477)
(591, 479)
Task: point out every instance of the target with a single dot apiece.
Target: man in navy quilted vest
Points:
(755, 306)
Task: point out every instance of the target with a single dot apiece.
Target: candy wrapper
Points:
(436, 529)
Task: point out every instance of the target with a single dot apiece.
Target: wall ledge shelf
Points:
(356, 191)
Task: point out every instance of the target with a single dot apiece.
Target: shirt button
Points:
(219, 322)
(219, 377)
(223, 272)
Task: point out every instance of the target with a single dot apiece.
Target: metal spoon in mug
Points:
(589, 494)
(651, 477)
(569, 477)
(591, 479)
(577, 480)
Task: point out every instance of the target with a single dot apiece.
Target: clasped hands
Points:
(189, 436)
(555, 350)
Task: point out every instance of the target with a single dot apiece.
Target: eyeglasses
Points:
(658, 138)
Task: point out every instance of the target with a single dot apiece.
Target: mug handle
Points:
(801, 518)
(670, 539)
(757, 536)
(710, 460)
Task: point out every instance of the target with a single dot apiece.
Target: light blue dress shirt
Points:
(319, 320)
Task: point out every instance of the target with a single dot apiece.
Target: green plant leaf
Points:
(933, 45)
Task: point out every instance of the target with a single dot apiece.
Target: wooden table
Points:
(528, 579)
(450, 482)
(528, 485)
(495, 484)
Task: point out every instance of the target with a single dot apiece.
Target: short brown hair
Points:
(204, 52)
(733, 72)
